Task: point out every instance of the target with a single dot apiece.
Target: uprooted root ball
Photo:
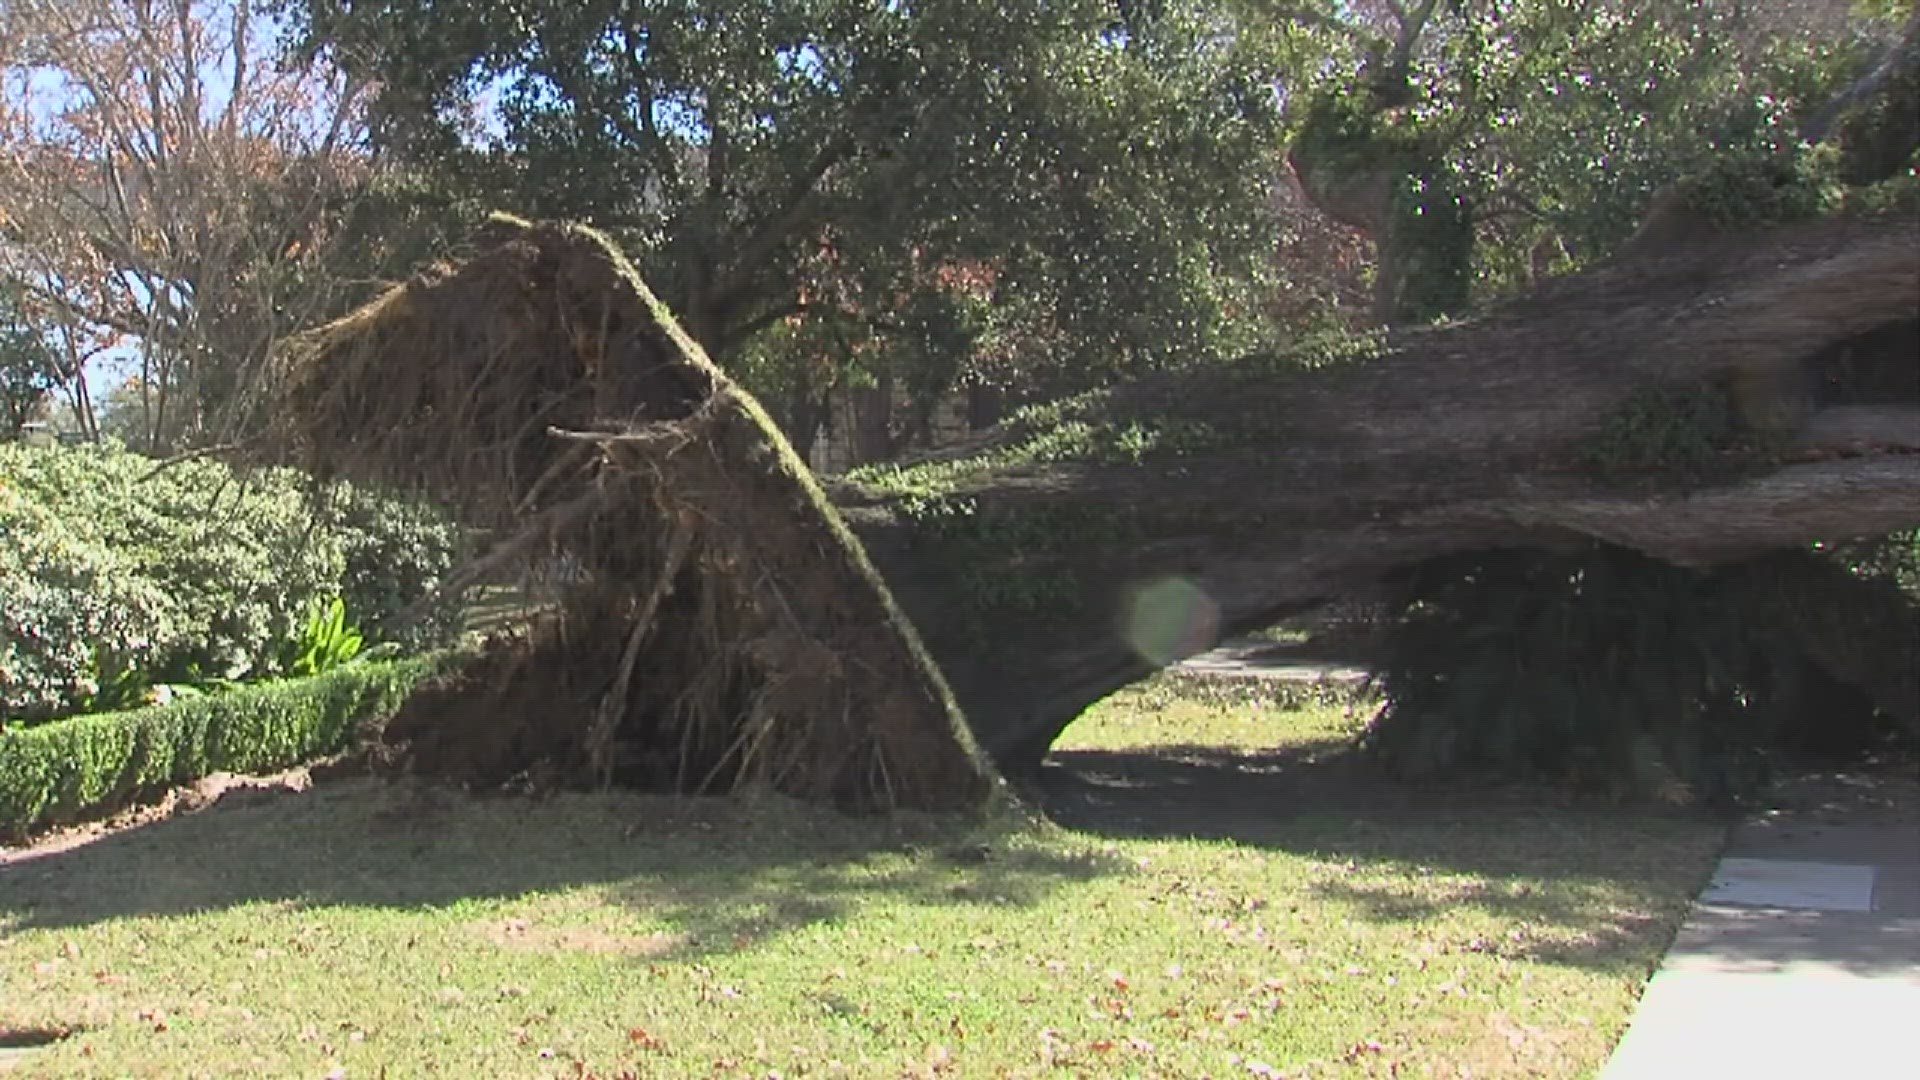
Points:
(725, 627)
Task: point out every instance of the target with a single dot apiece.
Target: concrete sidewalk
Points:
(1254, 658)
(1801, 959)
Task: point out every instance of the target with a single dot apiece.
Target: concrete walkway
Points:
(1254, 658)
(1801, 959)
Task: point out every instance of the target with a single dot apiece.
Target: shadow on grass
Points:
(1608, 880)
(704, 875)
(693, 877)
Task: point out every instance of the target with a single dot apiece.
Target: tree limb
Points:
(1265, 490)
(1802, 503)
(1898, 57)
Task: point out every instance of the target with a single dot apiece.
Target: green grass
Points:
(408, 930)
(1222, 716)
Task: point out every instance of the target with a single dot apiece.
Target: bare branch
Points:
(139, 198)
(1412, 24)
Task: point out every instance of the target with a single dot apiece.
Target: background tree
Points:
(28, 371)
(875, 175)
(163, 182)
(1480, 145)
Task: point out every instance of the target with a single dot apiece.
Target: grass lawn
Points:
(1221, 897)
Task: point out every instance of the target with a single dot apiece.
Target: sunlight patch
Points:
(1787, 883)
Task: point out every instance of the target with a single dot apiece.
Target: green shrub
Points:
(1894, 558)
(1619, 672)
(1763, 188)
(61, 771)
(72, 614)
(397, 553)
(1678, 428)
(237, 557)
(328, 642)
(115, 575)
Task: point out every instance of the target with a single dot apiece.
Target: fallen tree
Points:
(1737, 396)
(723, 627)
(1742, 396)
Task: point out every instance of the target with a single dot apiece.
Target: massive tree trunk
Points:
(1695, 407)
(1745, 397)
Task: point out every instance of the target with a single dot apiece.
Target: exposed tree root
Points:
(726, 629)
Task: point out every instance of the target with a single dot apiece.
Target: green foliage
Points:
(1013, 565)
(326, 642)
(1621, 673)
(1427, 232)
(1433, 231)
(1895, 558)
(1759, 190)
(1557, 122)
(73, 612)
(87, 765)
(395, 554)
(1093, 428)
(115, 576)
(1126, 443)
(1041, 192)
(28, 371)
(1681, 429)
(1897, 193)
(1328, 349)
(235, 557)
(1606, 666)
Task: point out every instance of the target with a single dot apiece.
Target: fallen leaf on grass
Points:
(646, 1040)
(1359, 1050)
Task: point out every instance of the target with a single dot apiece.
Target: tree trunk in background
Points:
(805, 417)
(1677, 406)
(985, 406)
(872, 422)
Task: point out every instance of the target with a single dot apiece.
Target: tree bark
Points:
(1060, 557)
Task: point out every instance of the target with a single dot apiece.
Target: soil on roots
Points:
(723, 615)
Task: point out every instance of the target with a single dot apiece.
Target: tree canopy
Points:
(1072, 188)
(28, 373)
(1481, 145)
(834, 193)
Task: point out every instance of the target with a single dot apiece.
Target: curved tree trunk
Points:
(1680, 407)
(1684, 407)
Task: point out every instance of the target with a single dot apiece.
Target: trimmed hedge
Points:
(67, 769)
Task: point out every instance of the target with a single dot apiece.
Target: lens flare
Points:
(1170, 618)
